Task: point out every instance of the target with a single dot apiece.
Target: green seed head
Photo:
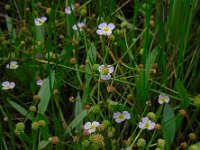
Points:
(41, 123)
(35, 125)
(141, 142)
(19, 128)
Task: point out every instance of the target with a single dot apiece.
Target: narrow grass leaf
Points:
(10, 27)
(20, 109)
(77, 120)
(168, 125)
(43, 144)
(92, 54)
(78, 110)
(185, 101)
(45, 93)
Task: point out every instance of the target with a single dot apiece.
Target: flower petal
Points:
(95, 123)
(100, 67)
(87, 125)
(102, 25)
(110, 68)
(100, 32)
(126, 114)
(111, 26)
(105, 77)
(5, 83)
(116, 114)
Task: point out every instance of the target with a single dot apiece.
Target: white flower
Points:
(146, 123)
(40, 21)
(105, 29)
(119, 117)
(68, 9)
(105, 71)
(91, 127)
(12, 65)
(163, 99)
(79, 25)
(40, 82)
(8, 85)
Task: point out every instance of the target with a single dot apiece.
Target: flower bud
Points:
(106, 123)
(55, 91)
(86, 107)
(85, 133)
(54, 140)
(83, 12)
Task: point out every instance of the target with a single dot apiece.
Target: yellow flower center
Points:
(121, 117)
(105, 29)
(147, 125)
(40, 21)
(7, 87)
(12, 66)
(92, 126)
(163, 99)
(104, 70)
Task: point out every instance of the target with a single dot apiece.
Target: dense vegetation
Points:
(102, 74)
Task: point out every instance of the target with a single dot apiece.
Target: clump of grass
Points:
(99, 75)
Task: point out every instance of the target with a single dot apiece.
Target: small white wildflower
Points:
(79, 25)
(146, 123)
(105, 29)
(40, 82)
(163, 99)
(8, 85)
(12, 65)
(40, 21)
(105, 71)
(119, 117)
(68, 9)
(91, 127)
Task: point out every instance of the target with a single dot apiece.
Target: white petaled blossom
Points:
(79, 25)
(91, 127)
(68, 9)
(8, 85)
(119, 117)
(12, 65)
(40, 82)
(105, 71)
(146, 123)
(105, 29)
(163, 99)
(40, 21)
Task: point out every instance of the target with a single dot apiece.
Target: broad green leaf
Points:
(20, 109)
(185, 101)
(10, 27)
(43, 144)
(45, 93)
(168, 125)
(77, 120)
(78, 110)
(197, 146)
